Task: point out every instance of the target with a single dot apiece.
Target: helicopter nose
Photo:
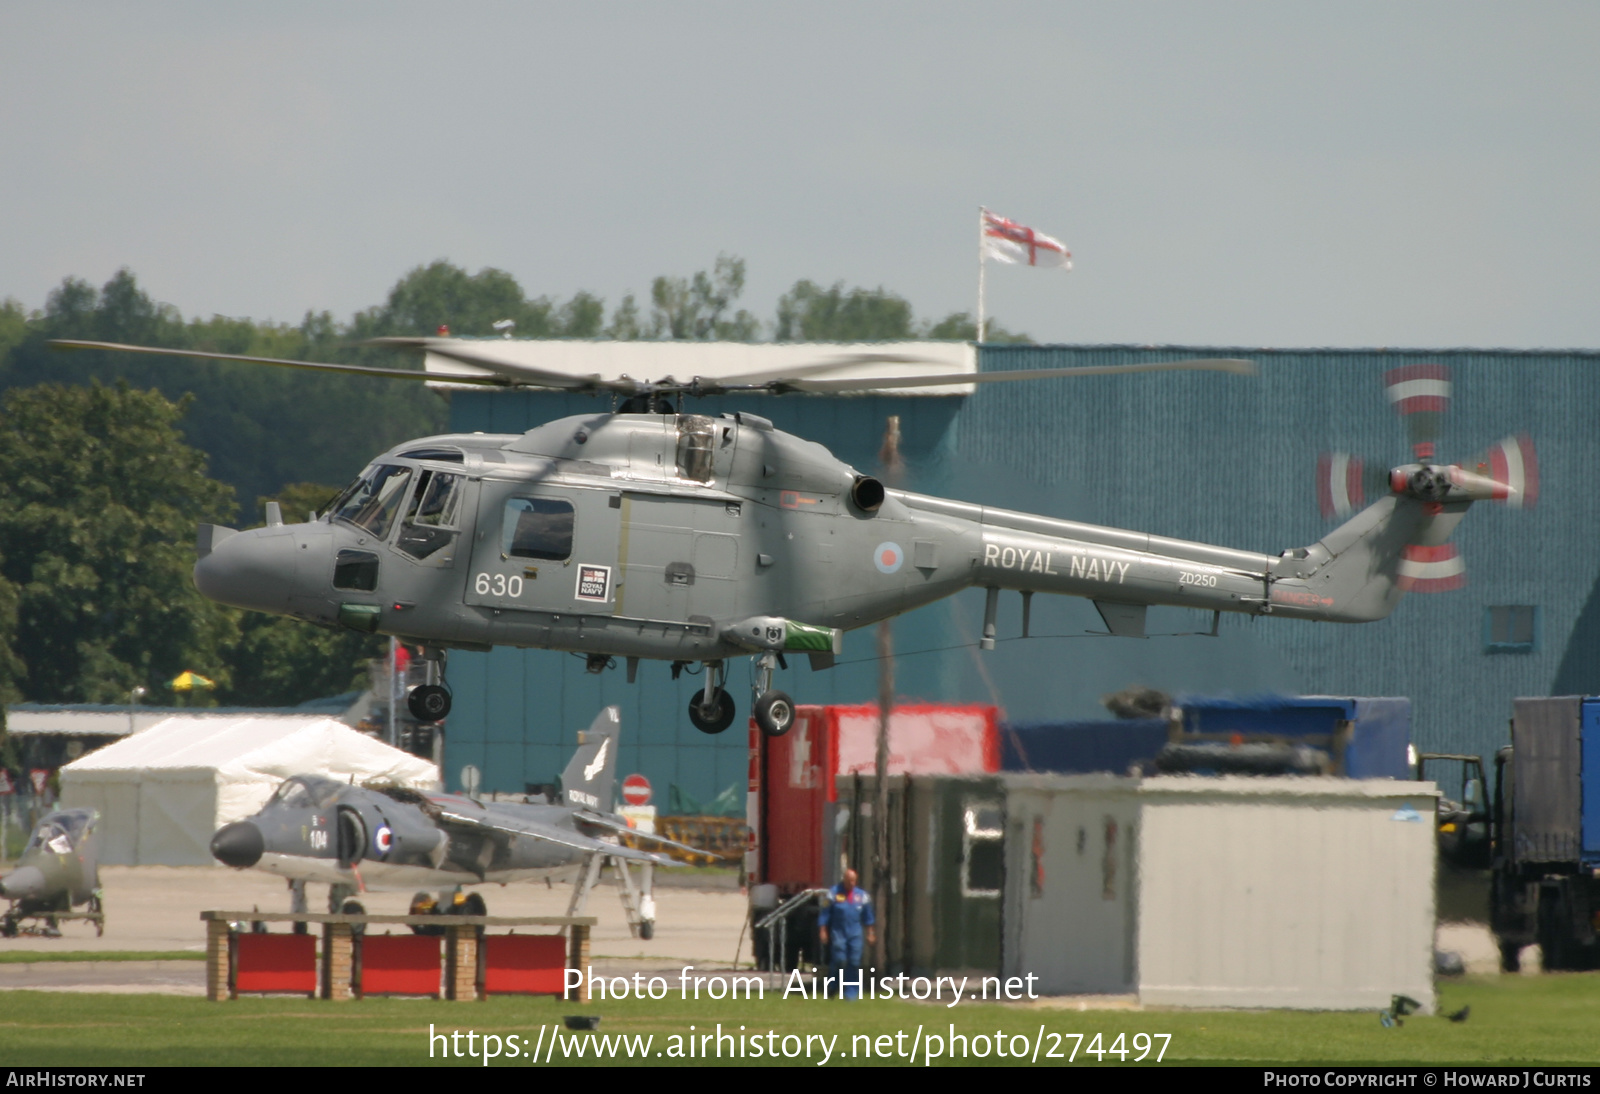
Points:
(238, 844)
(254, 569)
(22, 883)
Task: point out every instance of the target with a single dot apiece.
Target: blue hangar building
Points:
(1219, 458)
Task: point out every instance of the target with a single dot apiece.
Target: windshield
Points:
(372, 500)
(307, 792)
(52, 837)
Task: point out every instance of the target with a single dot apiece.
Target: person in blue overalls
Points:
(848, 917)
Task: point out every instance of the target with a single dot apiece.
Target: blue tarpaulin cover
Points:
(1379, 739)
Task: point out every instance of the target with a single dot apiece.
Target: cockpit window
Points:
(696, 435)
(433, 516)
(294, 795)
(60, 832)
(372, 501)
(537, 528)
(304, 792)
(52, 837)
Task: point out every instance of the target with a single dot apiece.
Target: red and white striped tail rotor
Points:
(1420, 394)
(1514, 465)
(1339, 484)
(1431, 569)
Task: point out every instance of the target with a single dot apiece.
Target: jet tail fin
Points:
(590, 777)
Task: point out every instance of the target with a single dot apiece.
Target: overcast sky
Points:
(1414, 174)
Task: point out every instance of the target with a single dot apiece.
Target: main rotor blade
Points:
(523, 375)
(319, 366)
(846, 360)
(1198, 364)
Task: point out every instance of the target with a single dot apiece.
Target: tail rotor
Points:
(1507, 472)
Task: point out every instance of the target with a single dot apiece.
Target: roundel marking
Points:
(383, 840)
(888, 557)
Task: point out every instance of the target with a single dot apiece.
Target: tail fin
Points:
(1359, 571)
(591, 776)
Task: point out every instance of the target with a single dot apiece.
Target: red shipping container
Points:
(793, 776)
(400, 965)
(275, 962)
(527, 964)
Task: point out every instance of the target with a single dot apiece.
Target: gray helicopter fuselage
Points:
(693, 538)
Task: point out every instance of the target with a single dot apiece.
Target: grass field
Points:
(1551, 1019)
(34, 957)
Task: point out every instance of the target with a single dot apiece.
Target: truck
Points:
(1545, 841)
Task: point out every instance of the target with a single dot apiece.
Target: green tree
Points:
(99, 499)
(695, 308)
(254, 423)
(625, 325)
(810, 313)
(961, 327)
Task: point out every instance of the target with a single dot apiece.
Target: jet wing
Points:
(600, 820)
(562, 836)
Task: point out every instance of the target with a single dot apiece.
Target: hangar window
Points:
(1512, 628)
(537, 528)
(982, 849)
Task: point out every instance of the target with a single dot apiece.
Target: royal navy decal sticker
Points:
(594, 583)
(888, 557)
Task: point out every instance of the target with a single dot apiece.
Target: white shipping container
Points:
(1308, 893)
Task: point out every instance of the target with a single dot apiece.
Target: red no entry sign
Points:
(636, 790)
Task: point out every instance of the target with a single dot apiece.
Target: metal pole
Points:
(982, 212)
(394, 738)
(880, 807)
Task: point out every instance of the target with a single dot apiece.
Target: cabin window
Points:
(356, 570)
(433, 517)
(982, 849)
(696, 435)
(372, 501)
(537, 528)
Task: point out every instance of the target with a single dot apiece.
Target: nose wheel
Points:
(774, 713)
(772, 710)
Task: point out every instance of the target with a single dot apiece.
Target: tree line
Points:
(109, 461)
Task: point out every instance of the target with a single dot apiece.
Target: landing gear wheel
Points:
(428, 703)
(774, 713)
(718, 718)
(647, 929)
(98, 910)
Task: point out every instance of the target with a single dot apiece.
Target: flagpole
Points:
(981, 212)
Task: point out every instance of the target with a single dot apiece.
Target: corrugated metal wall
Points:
(1211, 457)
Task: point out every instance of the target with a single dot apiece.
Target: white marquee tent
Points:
(164, 790)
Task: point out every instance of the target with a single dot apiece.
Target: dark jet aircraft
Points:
(358, 838)
(57, 872)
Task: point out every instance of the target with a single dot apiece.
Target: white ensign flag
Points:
(1007, 241)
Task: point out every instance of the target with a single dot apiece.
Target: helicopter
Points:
(644, 532)
(360, 838)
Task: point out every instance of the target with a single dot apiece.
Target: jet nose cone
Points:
(22, 883)
(253, 569)
(238, 844)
